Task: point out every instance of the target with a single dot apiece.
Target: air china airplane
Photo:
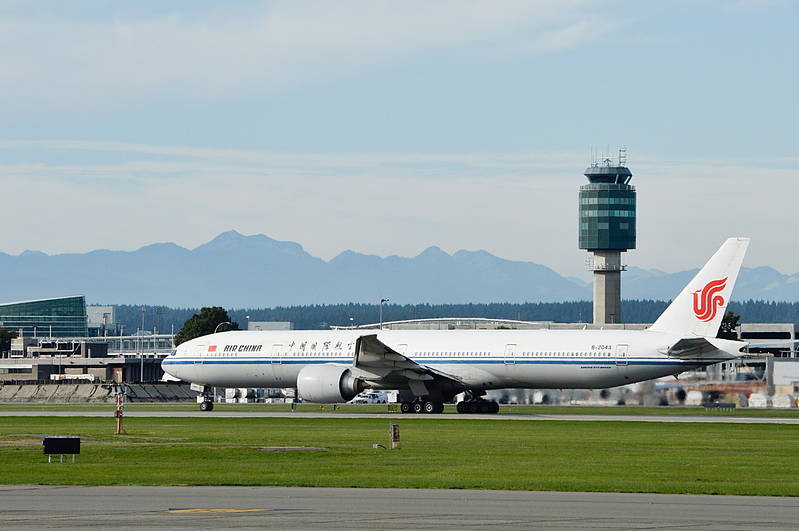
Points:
(430, 367)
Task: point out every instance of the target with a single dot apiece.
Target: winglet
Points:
(699, 308)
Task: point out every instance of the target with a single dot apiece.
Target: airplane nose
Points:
(170, 367)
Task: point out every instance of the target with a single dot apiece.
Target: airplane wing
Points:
(378, 363)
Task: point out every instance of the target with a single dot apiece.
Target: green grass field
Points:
(746, 459)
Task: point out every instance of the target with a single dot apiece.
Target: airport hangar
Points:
(61, 339)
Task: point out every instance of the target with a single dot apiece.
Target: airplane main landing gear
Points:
(478, 406)
(206, 405)
(422, 406)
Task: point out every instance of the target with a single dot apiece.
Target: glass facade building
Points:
(61, 317)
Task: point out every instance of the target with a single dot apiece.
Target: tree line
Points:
(316, 317)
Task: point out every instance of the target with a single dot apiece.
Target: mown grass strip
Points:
(435, 453)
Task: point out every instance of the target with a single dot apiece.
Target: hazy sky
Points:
(388, 127)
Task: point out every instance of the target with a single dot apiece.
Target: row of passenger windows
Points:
(518, 354)
(313, 354)
(219, 354)
(438, 354)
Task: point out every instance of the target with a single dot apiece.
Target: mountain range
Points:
(236, 271)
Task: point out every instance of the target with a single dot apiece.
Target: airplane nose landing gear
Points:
(206, 396)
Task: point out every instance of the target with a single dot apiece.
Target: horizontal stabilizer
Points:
(690, 347)
(787, 343)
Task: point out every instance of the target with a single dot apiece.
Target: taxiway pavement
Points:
(278, 508)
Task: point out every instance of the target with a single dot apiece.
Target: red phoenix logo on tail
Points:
(707, 300)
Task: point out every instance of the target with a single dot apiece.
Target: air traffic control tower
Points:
(607, 228)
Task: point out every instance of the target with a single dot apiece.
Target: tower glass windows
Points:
(607, 217)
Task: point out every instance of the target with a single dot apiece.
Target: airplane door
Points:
(510, 354)
(621, 355)
(621, 359)
(198, 354)
(276, 354)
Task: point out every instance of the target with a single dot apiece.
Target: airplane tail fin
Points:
(700, 307)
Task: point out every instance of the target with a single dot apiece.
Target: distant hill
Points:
(760, 283)
(236, 271)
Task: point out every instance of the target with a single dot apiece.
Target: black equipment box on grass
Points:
(61, 445)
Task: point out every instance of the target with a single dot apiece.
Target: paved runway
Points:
(281, 508)
(720, 418)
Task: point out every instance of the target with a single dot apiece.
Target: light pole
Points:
(381, 312)
(159, 310)
(141, 344)
(248, 322)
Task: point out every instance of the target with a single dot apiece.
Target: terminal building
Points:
(60, 339)
(61, 317)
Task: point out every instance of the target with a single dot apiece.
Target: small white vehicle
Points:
(371, 397)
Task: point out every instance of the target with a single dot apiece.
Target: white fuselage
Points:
(480, 359)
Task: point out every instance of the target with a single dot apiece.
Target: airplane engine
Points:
(327, 384)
